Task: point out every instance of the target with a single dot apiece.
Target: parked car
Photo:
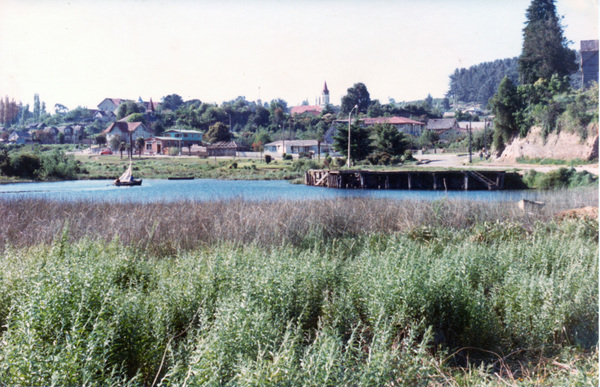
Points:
(106, 152)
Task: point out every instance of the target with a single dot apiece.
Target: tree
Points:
(545, 50)
(171, 102)
(36, 107)
(9, 110)
(115, 142)
(446, 104)
(429, 137)
(429, 101)
(360, 142)
(506, 106)
(218, 132)
(140, 143)
(60, 109)
(136, 117)
(101, 139)
(357, 95)
(375, 109)
(389, 140)
(127, 108)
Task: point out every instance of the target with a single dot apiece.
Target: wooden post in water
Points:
(466, 181)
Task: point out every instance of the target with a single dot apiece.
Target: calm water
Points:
(208, 189)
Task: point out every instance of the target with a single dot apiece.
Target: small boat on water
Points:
(126, 179)
(180, 178)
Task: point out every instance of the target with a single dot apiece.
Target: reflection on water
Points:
(209, 189)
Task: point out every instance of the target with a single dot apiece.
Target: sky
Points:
(76, 53)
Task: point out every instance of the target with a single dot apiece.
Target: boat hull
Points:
(128, 183)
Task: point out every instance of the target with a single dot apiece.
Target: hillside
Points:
(564, 146)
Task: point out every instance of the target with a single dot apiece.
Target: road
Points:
(461, 160)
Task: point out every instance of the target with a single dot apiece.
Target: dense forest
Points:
(479, 83)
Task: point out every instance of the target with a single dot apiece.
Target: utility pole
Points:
(349, 120)
(470, 139)
(485, 134)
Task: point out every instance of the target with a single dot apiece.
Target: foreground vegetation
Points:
(298, 293)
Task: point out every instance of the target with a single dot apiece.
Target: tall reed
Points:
(164, 228)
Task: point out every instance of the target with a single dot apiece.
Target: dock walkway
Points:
(418, 180)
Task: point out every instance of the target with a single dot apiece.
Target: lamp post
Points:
(349, 119)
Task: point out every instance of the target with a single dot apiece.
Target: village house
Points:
(128, 131)
(403, 124)
(173, 139)
(110, 105)
(161, 145)
(19, 137)
(48, 135)
(103, 115)
(188, 137)
(225, 148)
(447, 129)
(479, 126)
(308, 148)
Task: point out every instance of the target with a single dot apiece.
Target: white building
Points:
(297, 148)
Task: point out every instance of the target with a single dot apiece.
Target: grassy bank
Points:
(109, 167)
(339, 292)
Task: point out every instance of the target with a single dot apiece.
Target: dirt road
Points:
(461, 160)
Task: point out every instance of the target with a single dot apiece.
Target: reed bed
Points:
(164, 228)
(333, 292)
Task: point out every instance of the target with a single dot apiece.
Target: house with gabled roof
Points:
(403, 124)
(19, 137)
(315, 110)
(447, 129)
(110, 104)
(128, 131)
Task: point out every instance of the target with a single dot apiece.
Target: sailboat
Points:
(127, 179)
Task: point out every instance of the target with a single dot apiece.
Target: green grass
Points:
(547, 161)
(110, 167)
(512, 301)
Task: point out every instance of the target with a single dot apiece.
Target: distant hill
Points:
(479, 83)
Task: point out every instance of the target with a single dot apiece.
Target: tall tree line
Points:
(479, 83)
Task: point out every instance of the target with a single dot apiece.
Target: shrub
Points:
(26, 165)
(268, 159)
(559, 178)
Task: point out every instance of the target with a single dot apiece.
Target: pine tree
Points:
(360, 141)
(36, 107)
(545, 50)
(506, 106)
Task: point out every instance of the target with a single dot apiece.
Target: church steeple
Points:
(325, 96)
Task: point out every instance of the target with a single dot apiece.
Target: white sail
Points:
(127, 175)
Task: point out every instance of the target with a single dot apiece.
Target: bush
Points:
(26, 165)
(560, 178)
(268, 159)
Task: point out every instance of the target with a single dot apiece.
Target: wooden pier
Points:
(465, 180)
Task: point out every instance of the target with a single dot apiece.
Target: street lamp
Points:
(349, 115)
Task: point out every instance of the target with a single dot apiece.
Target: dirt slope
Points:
(564, 146)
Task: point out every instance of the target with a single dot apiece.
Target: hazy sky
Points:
(80, 52)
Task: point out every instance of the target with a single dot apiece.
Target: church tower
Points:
(325, 96)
